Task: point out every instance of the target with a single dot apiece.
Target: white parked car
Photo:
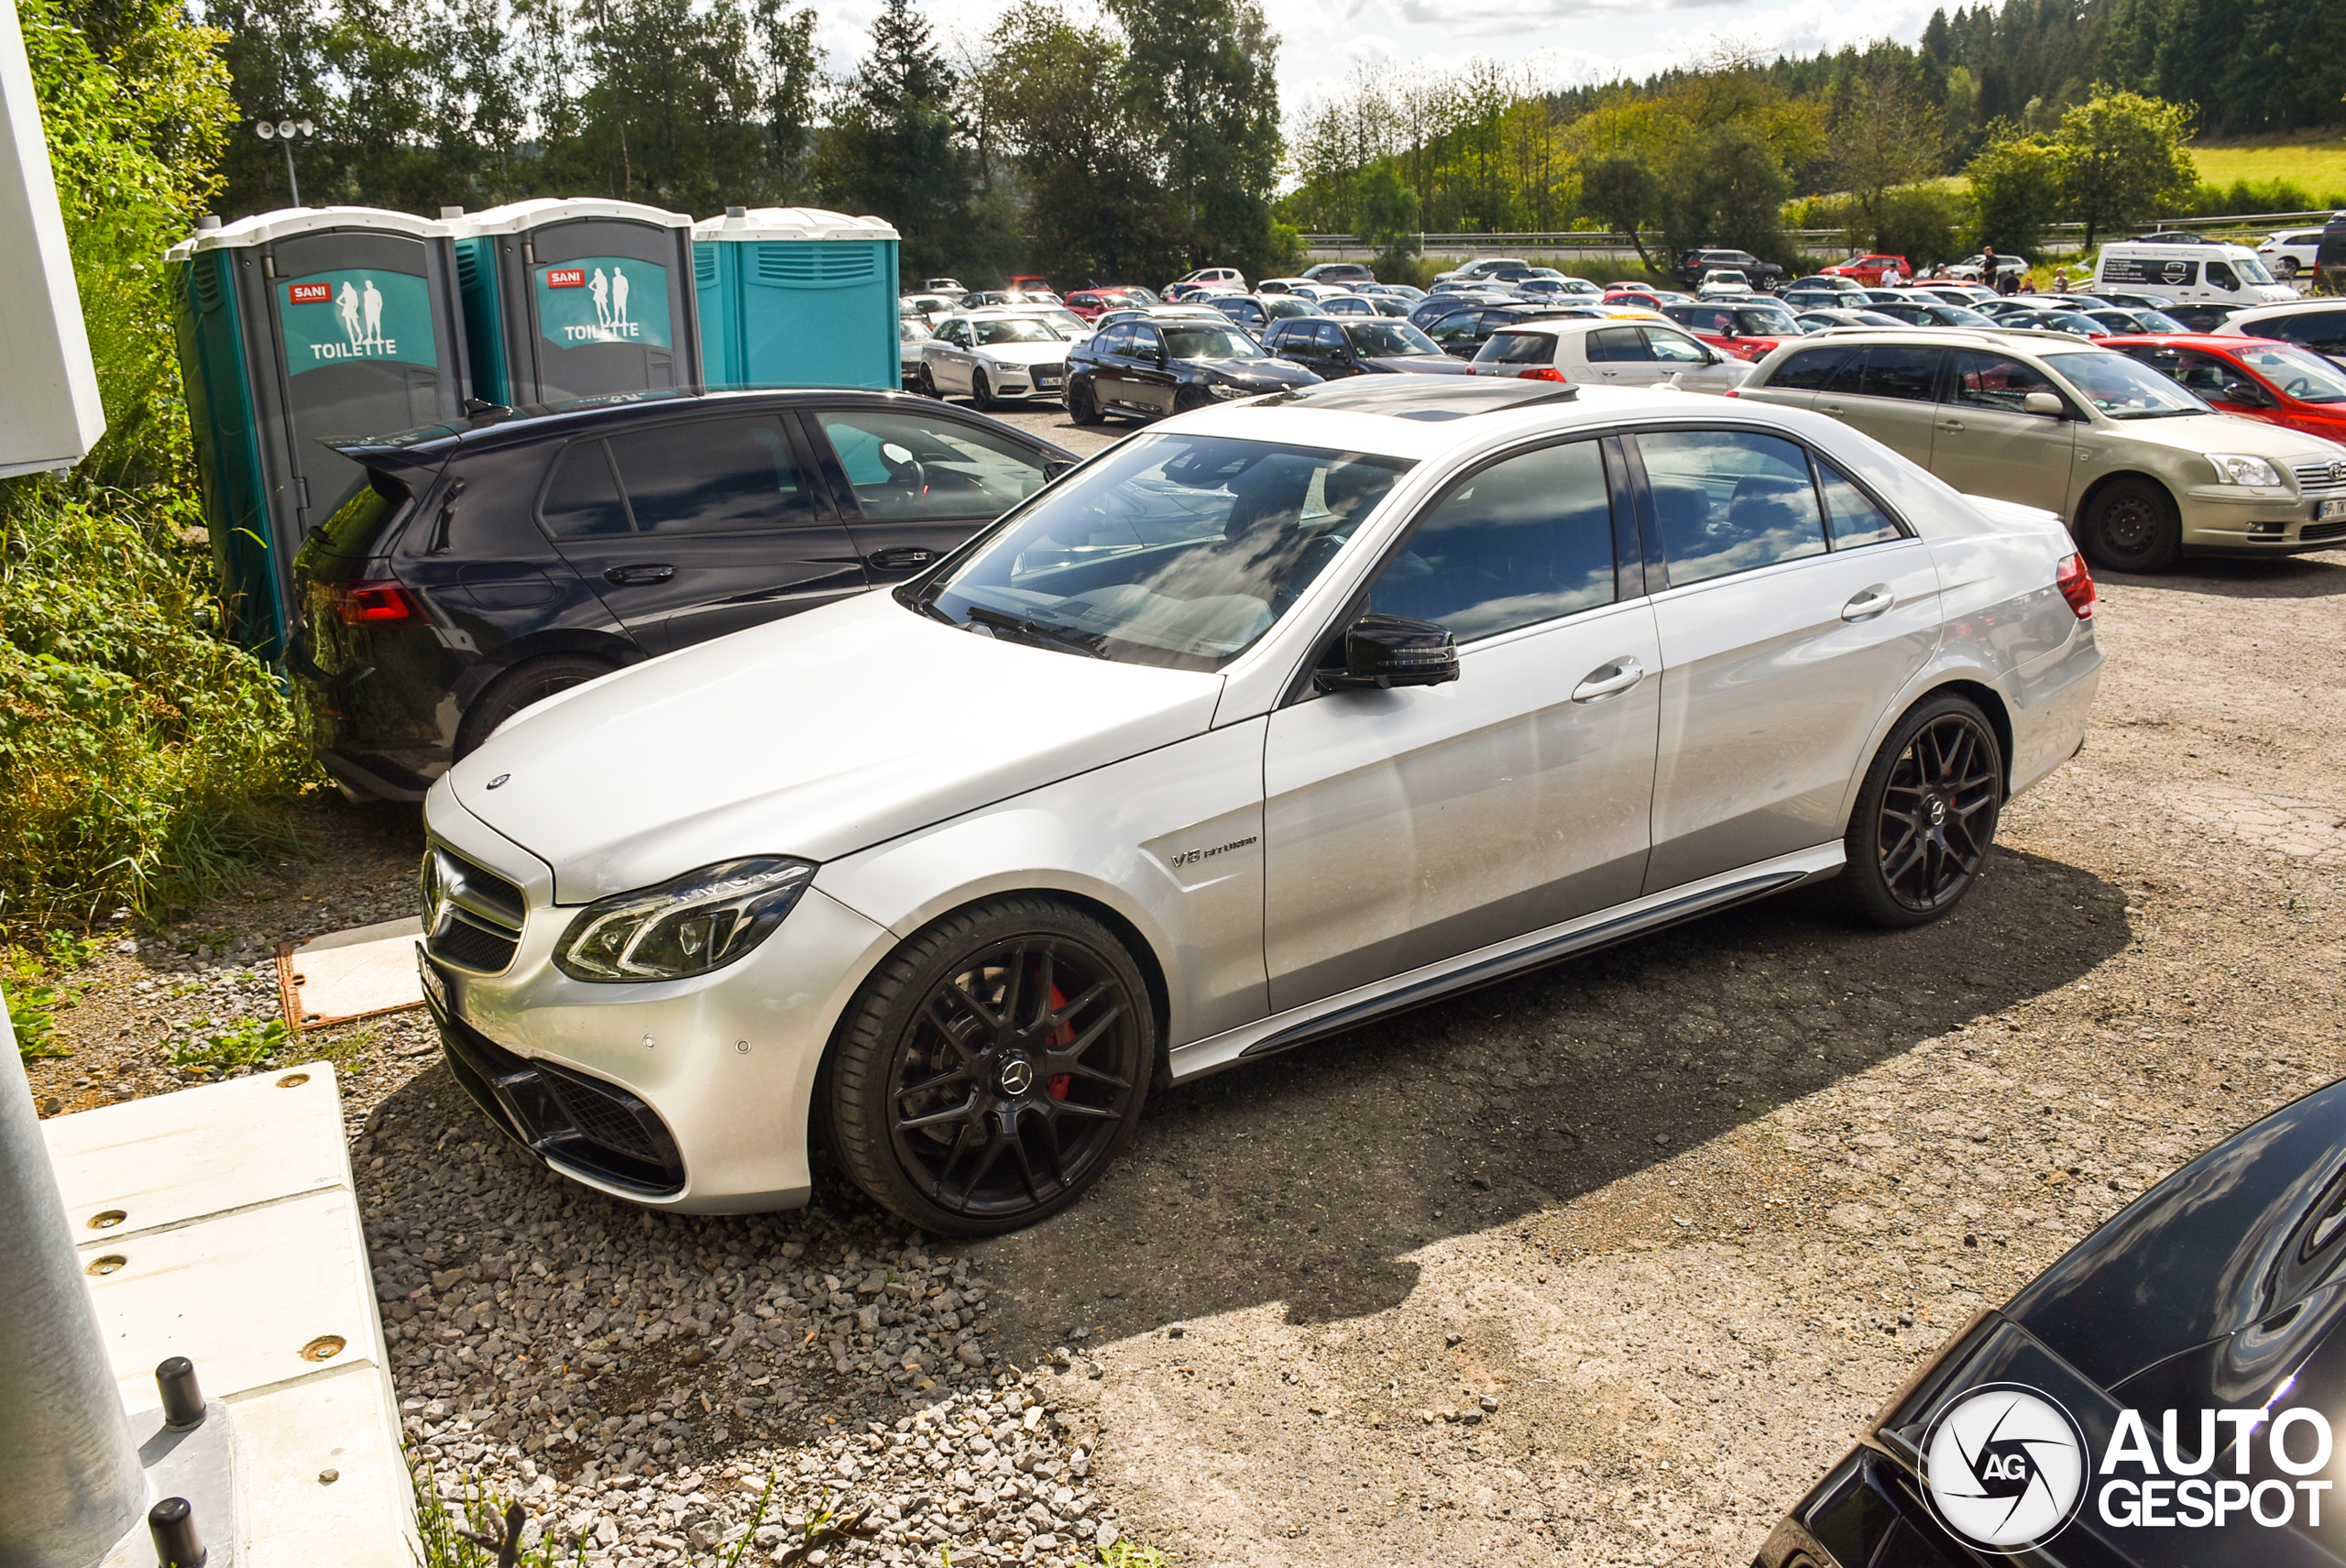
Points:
(1608, 352)
(2289, 252)
(1723, 282)
(910, 336)
(1269, 720)
(1000, 354)
(2317, 323)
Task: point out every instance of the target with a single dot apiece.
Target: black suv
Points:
(1166, 366)
(1343, 274)
(1461, 333)
(1333, 347)
(486, 565)
(1693, 263)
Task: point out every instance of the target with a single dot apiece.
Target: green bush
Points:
(142, 759)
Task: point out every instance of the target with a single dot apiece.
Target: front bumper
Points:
(1028, 381)
(2229, 520)
(694, 1095)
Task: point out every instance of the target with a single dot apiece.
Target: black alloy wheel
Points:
(929, 383)
(992, 1067)
(1926, 815)
(2131, 525)
(980, 390)
(1082, 403)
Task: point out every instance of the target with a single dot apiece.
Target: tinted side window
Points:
(1115, 340)
(1847, 376)
(1730, 501)
(584, 500)
(904, 467)
(1616, 345)
(1808, 370)
(1994, 381)
(1525, 540)
(713, 475)
(1907, 374)
(2221, 276)
(1849, 513)
(2321, 330)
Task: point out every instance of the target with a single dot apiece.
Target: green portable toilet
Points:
(294, 327)
(797, 297)
(576, 299)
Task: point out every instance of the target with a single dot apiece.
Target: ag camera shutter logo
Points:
(2006, 1467)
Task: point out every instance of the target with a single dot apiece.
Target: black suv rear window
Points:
(1808, 370)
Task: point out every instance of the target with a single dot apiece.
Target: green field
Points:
(2317, 167)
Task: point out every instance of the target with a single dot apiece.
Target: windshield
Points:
(1961, 315)
(2125, 389)
(1200, 341)
(1378, 338)
(2251, 271)
(2299, 373)
(1172, 550)
(1765, 323)
(1022, 330)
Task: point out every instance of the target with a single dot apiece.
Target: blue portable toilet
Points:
(797, 297)
(294, 327)
(576, 299)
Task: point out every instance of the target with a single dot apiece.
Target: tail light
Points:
(365, 604)
(2075, 584)
(1543, 373)
(1734, 392)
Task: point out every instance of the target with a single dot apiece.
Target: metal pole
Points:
(295, 185)
(72, 1486)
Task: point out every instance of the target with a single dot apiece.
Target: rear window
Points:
(355, 530)
(1808, 370)
(1517, 348)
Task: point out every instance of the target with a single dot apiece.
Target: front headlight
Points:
(1007, 367)
(1228, 390)
(703, 920)
(2237, 468)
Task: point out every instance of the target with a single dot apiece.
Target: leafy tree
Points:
(1725, 187)
(1200, 77)
(1885, 134)
(894, 147)
(1625, 195)
(1093, 206)
(2121, 154)
(1389, 217)
(2015, 189)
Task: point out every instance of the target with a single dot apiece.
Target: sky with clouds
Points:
(1564, 42)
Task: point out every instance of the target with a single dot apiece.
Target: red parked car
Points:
(1868, 269)
(2280, 383)
(1748, 331)
(1631, 294)
(1091, 303)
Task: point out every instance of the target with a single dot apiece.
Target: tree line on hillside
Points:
(1130, 144)
(1707, 154)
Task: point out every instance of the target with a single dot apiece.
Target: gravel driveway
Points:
(1611, 1260)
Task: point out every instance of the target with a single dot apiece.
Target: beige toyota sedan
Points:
(2142, 471)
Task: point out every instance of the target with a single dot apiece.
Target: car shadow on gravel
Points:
(2288, 577)
(1309, 1180)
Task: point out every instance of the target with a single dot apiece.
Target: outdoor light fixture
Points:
(288, 132)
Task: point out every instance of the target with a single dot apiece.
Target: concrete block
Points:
(221, 1223)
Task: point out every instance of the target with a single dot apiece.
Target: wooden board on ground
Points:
(350, 974)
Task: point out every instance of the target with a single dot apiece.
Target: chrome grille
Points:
(472, 916)
(2322, 478)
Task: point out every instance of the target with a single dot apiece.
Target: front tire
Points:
(1926, 816)
(980, 390)
(992, 1068)
(2131, 525)
(2285, 267)
(928, 384)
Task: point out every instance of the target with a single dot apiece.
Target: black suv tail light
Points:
(365, 604)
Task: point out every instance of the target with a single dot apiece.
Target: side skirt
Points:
(1346, 1010)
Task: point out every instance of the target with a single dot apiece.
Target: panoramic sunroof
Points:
(1414, 396)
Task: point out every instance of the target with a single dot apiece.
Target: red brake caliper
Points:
(1058, 1082)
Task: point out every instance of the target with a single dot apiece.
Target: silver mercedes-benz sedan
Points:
(1272, 719)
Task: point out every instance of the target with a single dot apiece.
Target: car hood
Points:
(1263, 373)
(1422, 364)
(1025, 352)
(2228, 433)
(814, 736)
(2192, 1280)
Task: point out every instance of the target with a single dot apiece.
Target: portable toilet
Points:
(293, 327)
(797, 297)
(576, 299)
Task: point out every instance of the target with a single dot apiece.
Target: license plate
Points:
(435, 985)
(2329, 510)
(1046, 381)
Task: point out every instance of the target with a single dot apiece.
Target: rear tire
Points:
(2285, 267)
(992, 1069)
(518, 688)
(1082, 406)
(2131, 525)
(1926, 816)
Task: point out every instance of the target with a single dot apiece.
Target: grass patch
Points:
(253, 1043)
(2317, 167)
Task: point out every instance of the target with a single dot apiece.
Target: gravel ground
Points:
(1611, 1260)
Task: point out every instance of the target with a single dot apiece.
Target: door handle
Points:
(1833, 409)
(628, 576)
(1951, 426)
(1609, 680)
(1869, 603)
(901, 556)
